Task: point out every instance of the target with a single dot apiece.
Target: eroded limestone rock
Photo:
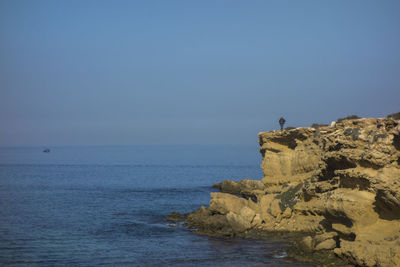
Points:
(338, 185)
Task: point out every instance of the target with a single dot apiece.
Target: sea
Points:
(107, 206)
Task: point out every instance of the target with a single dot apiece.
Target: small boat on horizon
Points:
(46, 150)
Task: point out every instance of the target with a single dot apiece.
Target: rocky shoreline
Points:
(334, 191)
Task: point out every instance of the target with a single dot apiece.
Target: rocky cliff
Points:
(337, 186)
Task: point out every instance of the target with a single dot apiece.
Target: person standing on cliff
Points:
(282, 122)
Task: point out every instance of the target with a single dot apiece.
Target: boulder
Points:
(326, 244)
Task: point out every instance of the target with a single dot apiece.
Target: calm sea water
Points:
(87, 206)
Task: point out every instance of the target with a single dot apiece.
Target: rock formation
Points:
(337, 186)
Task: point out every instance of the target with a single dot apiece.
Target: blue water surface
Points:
(89, 206)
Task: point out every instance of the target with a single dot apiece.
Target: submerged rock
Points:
(175, 217)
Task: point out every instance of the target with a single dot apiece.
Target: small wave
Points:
(279, 254)
(175, 224)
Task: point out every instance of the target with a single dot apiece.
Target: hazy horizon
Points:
(76, 73)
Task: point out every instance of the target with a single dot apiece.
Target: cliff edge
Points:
(337, 186)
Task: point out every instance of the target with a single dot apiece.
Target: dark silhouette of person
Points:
(282, 122)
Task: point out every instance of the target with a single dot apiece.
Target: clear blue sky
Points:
(191, 72)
